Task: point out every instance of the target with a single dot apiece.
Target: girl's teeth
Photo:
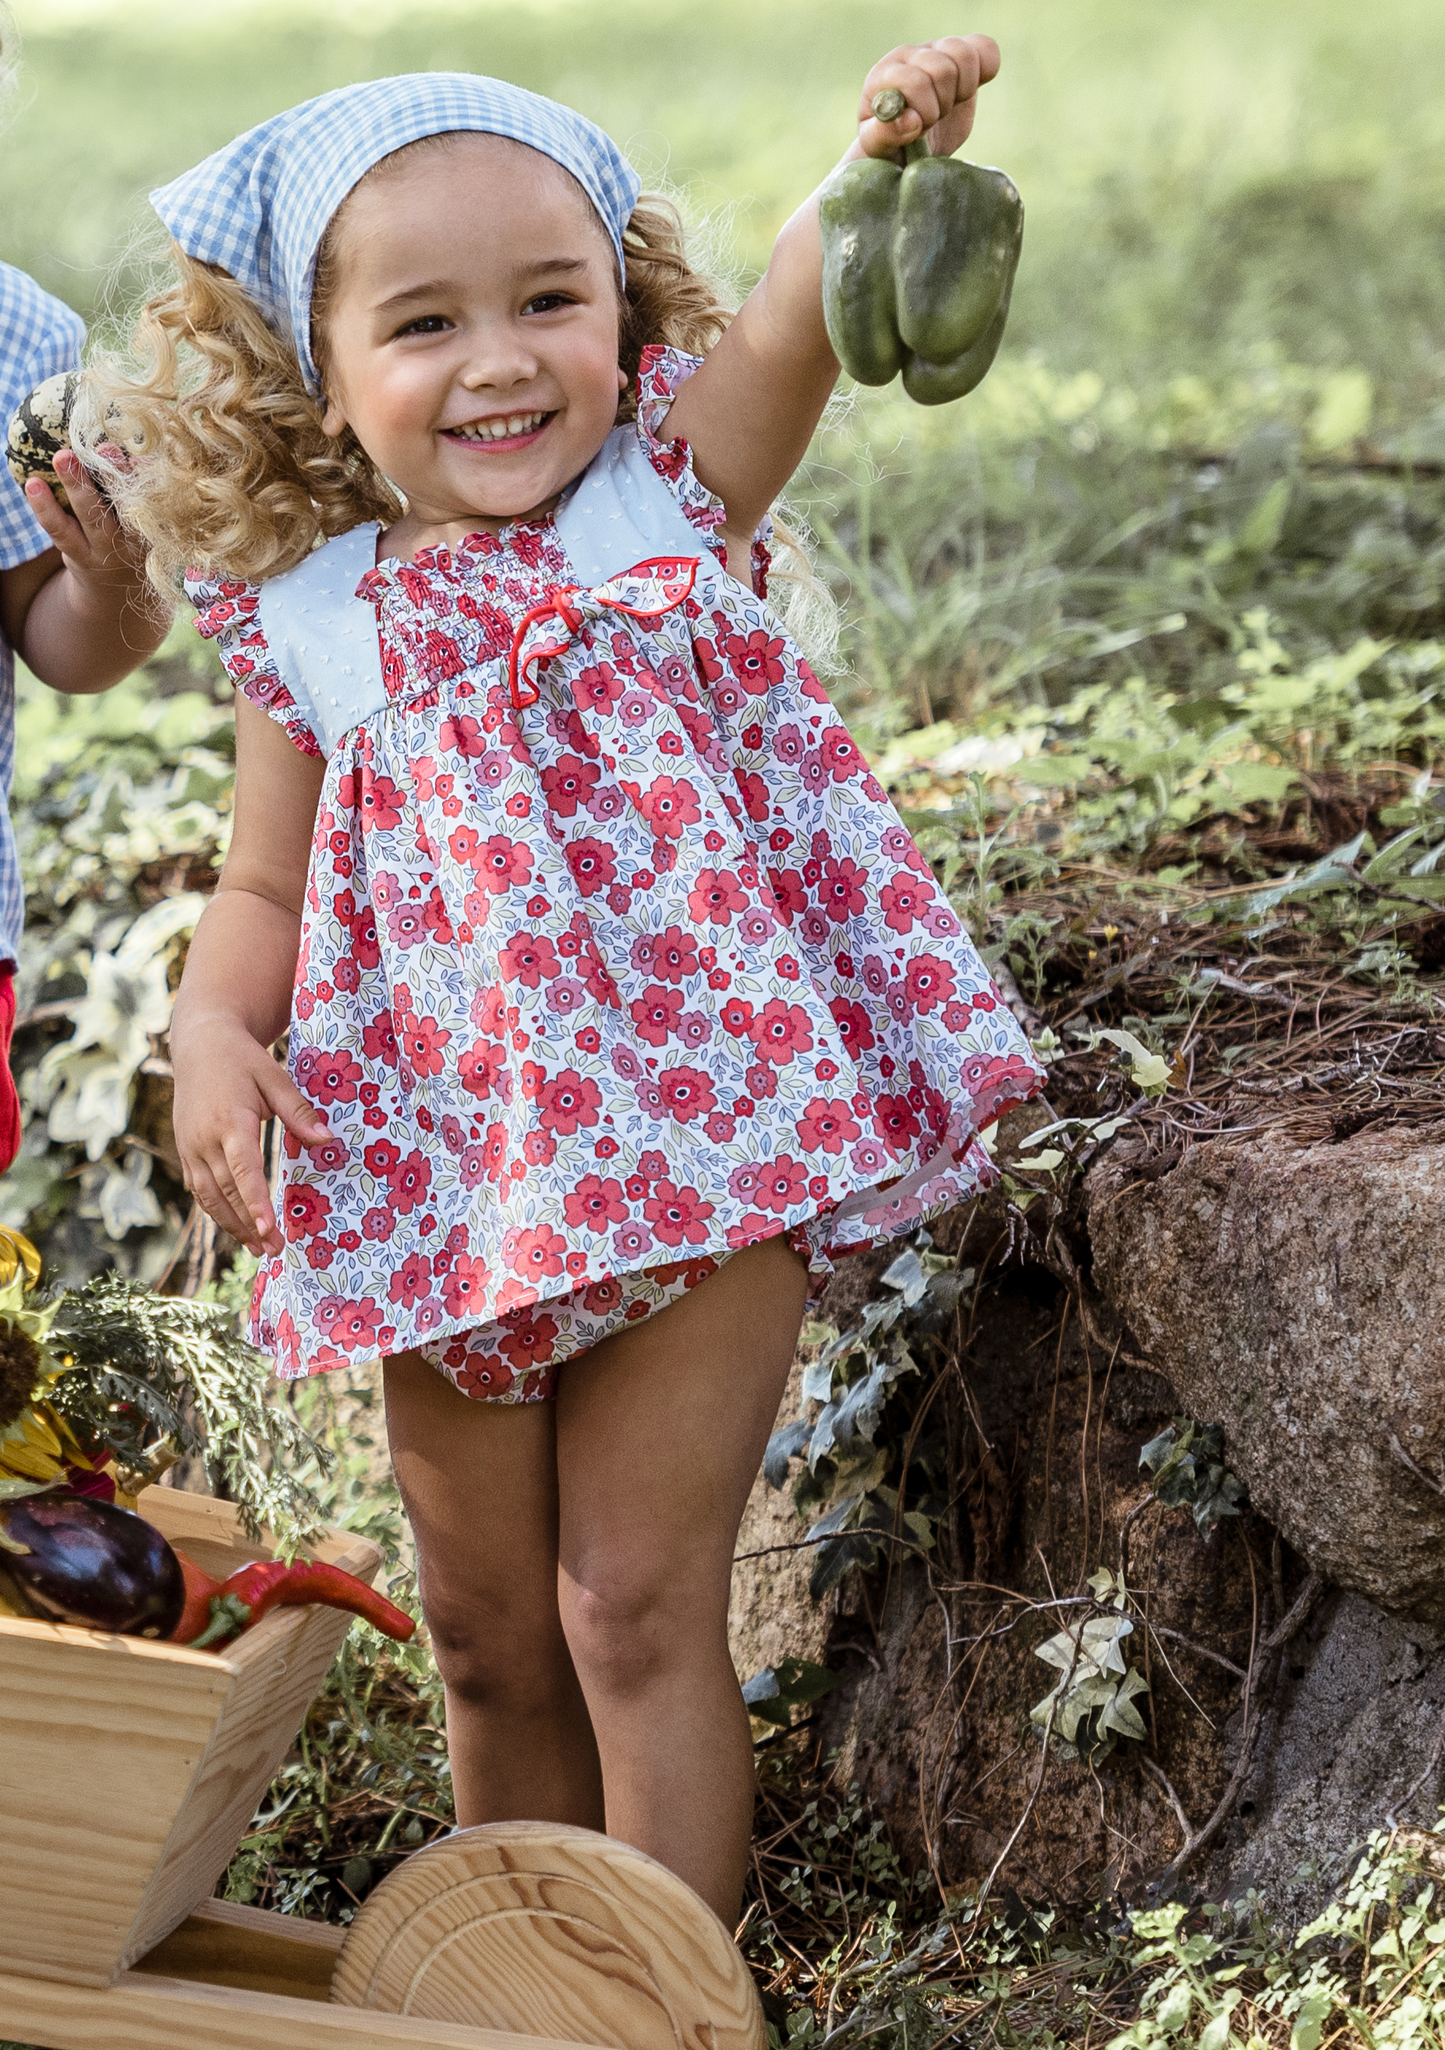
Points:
(501, 430)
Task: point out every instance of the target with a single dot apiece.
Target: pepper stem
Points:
(887, 106)
(229, 1616)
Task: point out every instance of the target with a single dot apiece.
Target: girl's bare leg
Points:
(660, 1432)
(479, 1480)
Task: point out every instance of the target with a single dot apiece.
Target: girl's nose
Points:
(499, 361)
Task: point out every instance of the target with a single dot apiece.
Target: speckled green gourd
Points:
(40, 429)
(918, 265)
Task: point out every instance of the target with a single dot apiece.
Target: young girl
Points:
(619, 988)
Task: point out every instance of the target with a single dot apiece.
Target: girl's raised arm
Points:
(235, 996)
(749, 412)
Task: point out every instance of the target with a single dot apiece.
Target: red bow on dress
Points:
(646, 591)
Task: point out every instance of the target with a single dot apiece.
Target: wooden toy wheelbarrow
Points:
(129, 1772)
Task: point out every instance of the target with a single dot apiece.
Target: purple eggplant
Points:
(77, 1560)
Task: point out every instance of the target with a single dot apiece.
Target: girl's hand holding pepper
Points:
(749, 412)
(919, 255)
(940, 84)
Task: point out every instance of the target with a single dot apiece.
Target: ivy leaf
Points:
(861, 1407)
(773, 1694)
(881, 1316)
(1187, 1462)
(1119, 1714)
(836, 1560)
(820, 1444)
(1149, 1070)
(908, 1275)
(1221, 1494)
(839, 1516)
(783, 1446)
(818, 1381)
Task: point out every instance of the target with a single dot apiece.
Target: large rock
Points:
(930, 1720)
(1348, 1744)
(1296, 1295)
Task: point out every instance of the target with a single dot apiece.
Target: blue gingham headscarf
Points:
(259, 207)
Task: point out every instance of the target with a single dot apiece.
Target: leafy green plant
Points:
(860, 1493)
(122, 811)
(1090, 1709)
(773, 1694)
(1369, 1969)
(1186, 1461)
(153, 1372)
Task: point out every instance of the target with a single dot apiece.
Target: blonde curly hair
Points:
(214, 451)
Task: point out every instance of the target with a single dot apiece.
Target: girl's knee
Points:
(498, 1656)
(628, 1626)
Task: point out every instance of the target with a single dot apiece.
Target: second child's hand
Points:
(92, 542)
(82, 614)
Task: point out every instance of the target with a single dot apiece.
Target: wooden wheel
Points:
(549, 1931)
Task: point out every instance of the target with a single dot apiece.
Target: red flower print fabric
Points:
(598, 990)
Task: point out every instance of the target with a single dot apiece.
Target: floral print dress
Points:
(615, 958)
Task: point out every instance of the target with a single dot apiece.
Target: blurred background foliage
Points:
(1204, 183)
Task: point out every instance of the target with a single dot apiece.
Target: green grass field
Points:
(1235, 242)
(1208, 185)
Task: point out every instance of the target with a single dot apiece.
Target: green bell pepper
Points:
(918, 264)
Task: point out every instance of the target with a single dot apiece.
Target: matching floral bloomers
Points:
(615, 957)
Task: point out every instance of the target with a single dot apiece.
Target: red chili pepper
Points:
(239, 1603)
(201, 1591)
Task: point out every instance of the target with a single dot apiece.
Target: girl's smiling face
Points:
(468, 333)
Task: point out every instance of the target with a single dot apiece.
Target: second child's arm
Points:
(750, 411)
(235, 996)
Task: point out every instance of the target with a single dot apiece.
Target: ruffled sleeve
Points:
(228, 614)
(660, 373)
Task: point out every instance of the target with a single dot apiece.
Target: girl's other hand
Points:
(939, 82)
(227, 1086)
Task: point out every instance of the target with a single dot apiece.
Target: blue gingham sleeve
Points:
(39, 336)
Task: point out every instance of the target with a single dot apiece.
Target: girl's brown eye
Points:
(426, 324)
(547, 302)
